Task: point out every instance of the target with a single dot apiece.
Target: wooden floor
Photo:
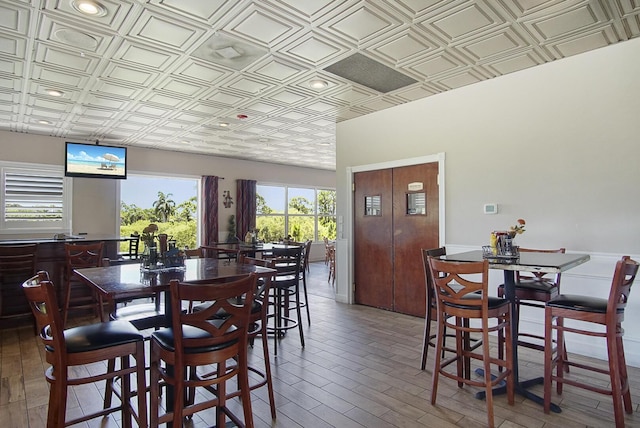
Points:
(360, 368)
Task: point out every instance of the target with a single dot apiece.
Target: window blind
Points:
(33, 197)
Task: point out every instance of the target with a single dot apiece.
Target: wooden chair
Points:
(219, 253)
(532, 289)
(332, 264)
(459, 296)
(304, 269)
(144, 311)
(326, 250)
(194, 253)
(87, 344)
(286, 292)
(432, 310)
(132, 253)
(79, 256)
(608, 313)
(258, 327)
(432, 314)
(17, 263)
(199, 338)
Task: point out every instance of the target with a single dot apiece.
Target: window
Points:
(169, 202)
(36, 198)
(303, 213)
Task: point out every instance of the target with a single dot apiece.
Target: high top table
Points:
(526, 262)
(129, 280)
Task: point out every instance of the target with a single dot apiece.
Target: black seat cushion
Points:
(580, 303)
(166, 338)
(535, 284)
(100, 335)
(493, 302)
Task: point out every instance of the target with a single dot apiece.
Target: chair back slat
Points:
(455, 282)
(623, 277)
(83, 255)
(288, 263)
(41, 295)
(434, 252)
(232, 298)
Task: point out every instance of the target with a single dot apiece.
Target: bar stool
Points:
(199, 338)
(461, 297)
(79, 256)
(605, 312)
(87, 344)
(287, 262)
(17, 263)
(533, 289)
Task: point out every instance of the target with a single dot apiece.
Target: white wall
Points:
(557, 145)
(96, 201)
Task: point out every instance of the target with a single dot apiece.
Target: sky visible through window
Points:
(143, 191)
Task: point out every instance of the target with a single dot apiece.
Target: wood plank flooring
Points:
(360, 368)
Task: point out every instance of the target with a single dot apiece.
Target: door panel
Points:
(373, 240)
(388, 269)
(413, 230)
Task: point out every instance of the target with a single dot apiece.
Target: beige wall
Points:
(96, 201)
(557, 145)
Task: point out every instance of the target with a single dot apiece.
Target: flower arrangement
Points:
(518, 228)
(149, 235)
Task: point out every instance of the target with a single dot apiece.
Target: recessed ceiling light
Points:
(55, 92)
(89, 7)
(318, 83)
(223, 124)
(44, 122)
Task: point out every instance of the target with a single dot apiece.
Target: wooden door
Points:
(387, 261)
(415, 226)
(373, 239)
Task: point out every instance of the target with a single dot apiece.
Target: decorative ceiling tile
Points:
(362, 22)
(404, 46)
(54, 56)
(257, 25)
(12, 46)
(144, 56)
(15, 18)
(203, 72)
(515, 62)
(164, 31)
(462, 21)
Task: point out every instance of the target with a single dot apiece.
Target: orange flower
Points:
(518, 228)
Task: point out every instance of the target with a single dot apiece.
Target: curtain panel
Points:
(210, 209)
(245, 206)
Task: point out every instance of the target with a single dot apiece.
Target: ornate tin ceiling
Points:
(176, 74)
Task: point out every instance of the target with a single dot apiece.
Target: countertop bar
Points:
(69, 239)
(50, 257)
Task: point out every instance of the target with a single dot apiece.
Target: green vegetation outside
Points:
(177, 221)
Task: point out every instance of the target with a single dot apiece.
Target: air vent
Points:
(367, 72)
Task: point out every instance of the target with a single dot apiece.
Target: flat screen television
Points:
(95, 161)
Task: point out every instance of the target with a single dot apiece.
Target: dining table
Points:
(524, 262)
(131, 280)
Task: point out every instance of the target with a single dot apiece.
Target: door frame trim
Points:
(346, 228)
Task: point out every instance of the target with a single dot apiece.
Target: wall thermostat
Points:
(491, 208)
